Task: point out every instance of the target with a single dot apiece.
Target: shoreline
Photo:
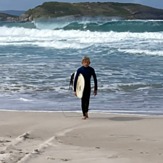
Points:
(103, 112)
(39, 137)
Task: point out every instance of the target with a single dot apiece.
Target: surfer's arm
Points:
(75, 81)
(95, 83)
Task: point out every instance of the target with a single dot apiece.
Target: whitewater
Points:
(37, 59)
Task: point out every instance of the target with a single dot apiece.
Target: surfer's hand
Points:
(95, 92)
(75, 93)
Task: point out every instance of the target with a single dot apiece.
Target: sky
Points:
(28, 4)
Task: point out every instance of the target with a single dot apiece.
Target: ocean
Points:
(37, 59)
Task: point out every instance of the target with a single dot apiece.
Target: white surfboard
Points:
(80, 86)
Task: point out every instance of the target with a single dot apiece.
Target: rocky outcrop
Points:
(9, 18)
(87, 9)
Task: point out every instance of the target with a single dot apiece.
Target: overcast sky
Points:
(27, 4)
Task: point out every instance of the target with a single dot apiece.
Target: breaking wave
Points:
(101, 24)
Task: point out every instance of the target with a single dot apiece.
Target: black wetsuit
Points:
(87, 72)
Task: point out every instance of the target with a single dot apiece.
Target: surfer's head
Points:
(86, 61)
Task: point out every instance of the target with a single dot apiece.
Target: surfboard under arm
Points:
(80, 86)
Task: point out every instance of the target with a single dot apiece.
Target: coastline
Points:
(39, 137)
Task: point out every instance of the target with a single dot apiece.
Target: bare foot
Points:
(84, 118)
(86, 115)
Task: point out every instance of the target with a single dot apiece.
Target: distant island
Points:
(125, 11)
(13, 12)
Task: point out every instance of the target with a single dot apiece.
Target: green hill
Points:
(87, 9)
(109, 9)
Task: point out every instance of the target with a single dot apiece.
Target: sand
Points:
(51, 137)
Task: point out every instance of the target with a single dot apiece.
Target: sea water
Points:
(37, 59)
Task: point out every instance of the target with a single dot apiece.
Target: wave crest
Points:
(103, 24)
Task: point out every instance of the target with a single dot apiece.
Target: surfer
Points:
(87, 72)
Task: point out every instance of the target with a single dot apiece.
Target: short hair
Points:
(85, 58)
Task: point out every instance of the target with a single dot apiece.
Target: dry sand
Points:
(41, 137)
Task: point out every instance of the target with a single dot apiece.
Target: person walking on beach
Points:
(87, 72)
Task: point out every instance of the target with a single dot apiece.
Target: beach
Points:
(49, 137)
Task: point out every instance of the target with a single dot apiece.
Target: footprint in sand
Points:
(65, 159)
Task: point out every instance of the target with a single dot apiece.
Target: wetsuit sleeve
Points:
(95, 80)
(75, 80)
